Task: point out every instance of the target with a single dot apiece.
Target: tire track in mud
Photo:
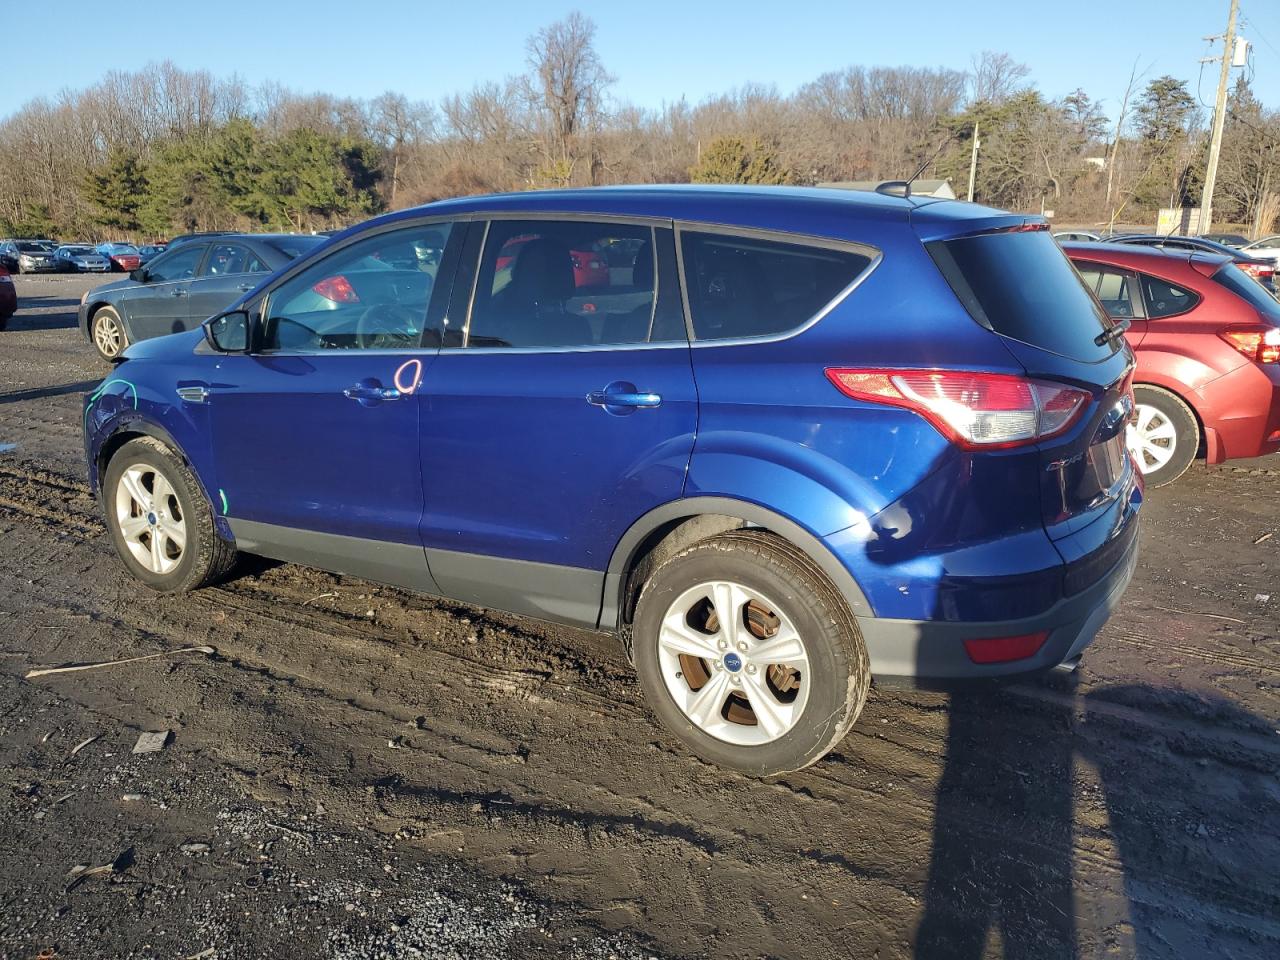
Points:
(328, 660)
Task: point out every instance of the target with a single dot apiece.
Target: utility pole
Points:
(1219, 118)
(973, 158)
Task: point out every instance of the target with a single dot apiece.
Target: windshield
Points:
(123, 248)
(1248, 290)
(1022, 286)
(294, 247)
(78, 251)
(27, 246)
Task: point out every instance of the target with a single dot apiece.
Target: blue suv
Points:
(780, 441)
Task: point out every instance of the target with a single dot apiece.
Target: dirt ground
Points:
(359, 772)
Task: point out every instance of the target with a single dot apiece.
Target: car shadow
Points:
(31, 316)
(1002, 867)
(39, 393)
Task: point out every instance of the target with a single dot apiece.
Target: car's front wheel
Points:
(749, 655)
(1164, 435)
(108, 333)
(159, 519)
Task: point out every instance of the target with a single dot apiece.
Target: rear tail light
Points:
(1005, 649)
(977, 411)
(1259, 344)
(1258, 270)
(338, 289)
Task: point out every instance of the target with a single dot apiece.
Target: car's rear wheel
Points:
(1164, 435)
(108, 333)
(749, 655)
(160, 521)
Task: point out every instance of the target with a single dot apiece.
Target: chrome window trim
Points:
(779, 236)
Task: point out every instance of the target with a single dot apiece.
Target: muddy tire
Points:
(1164, 437)
(107, 332)
(749, 655)
(160, 521)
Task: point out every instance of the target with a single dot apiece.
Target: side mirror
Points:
(228, 332)
(139, 275)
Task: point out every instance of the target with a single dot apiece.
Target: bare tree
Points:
(995, 77)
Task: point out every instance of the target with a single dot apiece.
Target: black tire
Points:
(107, 316)
(206, 557)
(839, 672)
(1161, 410)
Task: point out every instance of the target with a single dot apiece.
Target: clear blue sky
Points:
(659, 50)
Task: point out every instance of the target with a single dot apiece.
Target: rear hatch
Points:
(1013, 279)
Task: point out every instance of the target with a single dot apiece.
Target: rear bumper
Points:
(1241, 411)
(926, 653)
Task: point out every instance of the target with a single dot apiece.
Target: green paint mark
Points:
(93, 397)
(223, 495)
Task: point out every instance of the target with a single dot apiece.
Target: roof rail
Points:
(895, 188)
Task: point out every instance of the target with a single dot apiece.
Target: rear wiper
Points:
(1115, 332)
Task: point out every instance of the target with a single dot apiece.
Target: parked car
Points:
(183, 286)
(904, 455)
(8, 297)
(1267, 247)
(150, 251)
(123, 256)
(26, 256)
(80, 259)
(1226, 239)
(1207, 340)
(184, 237)
(1075, 236)
(1260, 268)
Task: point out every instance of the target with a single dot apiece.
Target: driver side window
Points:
(370, 295)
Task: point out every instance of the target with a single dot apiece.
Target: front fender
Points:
(121, 408)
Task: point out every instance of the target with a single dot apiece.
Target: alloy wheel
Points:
(1152, 438)
(733, 663)
(150, 518)
(107, 334)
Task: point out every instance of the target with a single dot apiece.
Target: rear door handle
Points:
(245, 287)
(179, 292)
(602, 398)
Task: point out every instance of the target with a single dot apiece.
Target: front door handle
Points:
(367, 391)
(179, 293)
(245, 287)
(621, 398)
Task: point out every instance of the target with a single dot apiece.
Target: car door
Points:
(160, 304)
(224, 278)
(560, 410)
(1117, 289)
(315, 430)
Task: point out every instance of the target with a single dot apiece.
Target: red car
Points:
(590, 269)
(8, 297)
(1207, 339)
(123, 256)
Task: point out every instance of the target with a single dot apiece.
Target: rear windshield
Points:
(1249, 290)
(1022, 286)
(294, 247)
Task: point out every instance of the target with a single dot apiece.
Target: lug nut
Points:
(737, 680)
(717, 665)
(751, 668)
(723, 644)
(742, 645)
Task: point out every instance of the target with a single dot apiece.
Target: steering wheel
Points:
(386, 326)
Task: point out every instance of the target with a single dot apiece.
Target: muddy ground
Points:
(360, 772)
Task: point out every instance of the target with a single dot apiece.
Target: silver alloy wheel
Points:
(150, 518)
(733, 663)
(1151, 437)
(107, 334)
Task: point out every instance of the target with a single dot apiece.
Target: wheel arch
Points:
(133, 428)
(668, 529)
(1179, 392)
(91, 311)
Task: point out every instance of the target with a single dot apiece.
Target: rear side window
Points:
(1165, 299)
(1113, 287)
(1248, 290)
(1022, 286)
(746, 287)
